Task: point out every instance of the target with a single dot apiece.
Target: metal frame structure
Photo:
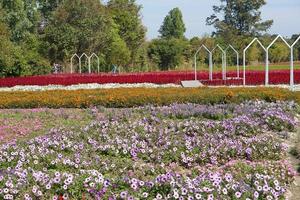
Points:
(224, 65)
(210, 61)
(291, 47)
(98, 62)
(266, 49)
(244, 57)
(237, 59)
(89, 58)
(72, 58)
(83, 55)
(292, 62)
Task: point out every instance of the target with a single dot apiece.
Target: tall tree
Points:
(239, 17)
(167, 53)
(84, 26)
(126, 14)
(48, 6)
(173, 25)
(21, 17)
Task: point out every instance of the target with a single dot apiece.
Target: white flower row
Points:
(115, 85)
(85, 86)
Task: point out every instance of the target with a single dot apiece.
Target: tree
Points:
(83, 26)
(46, 7)
(297, 46)
(173, 25)
(167, 53)
(126, 14)
(21, 17)
(8, 53)
(20, 57)
(239, 18)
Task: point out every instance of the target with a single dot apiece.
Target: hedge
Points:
(125, 97)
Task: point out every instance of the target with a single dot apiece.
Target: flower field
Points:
(132, 97)
(180, 151)
(252, 78)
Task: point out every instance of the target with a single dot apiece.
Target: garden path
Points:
(294, 193)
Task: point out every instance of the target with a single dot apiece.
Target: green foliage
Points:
(173, 25)
(239, 18)
(21, 17)
(83, 26)
(46, 7)
(167, 53)
(297, 46)
(279, 52)
(7, 53)
(126, 14)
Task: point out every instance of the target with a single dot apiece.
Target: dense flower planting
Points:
(182, 151)
(124, 97)
(88, 86)
(252, 78)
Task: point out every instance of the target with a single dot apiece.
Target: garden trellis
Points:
(244, 56)
(98, 62)
(237, 59)
(210, 60)
(88, 58)
(210, 52)
(266, 50)
(223, 60)
(72, 58)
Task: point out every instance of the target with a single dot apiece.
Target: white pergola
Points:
(98, 62)
(210, 61)
(266, 50)
(237, 59)
(244, 56)
(84, 55)
(72, 58)
(223, 60)
(88, 59)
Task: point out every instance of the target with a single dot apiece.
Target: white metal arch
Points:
(292, 62)
(244, 57)
(83, 55)
(210, 60)
(98, 62)
(237, 59)
(267, 55)
(291, 47)
(72, 58)
(223, 60)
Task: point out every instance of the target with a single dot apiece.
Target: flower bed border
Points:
(131, 97)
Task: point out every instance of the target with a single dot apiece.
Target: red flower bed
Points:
(252, 78)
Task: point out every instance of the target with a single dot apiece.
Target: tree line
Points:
(35, 34)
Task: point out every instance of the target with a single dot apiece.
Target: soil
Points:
(294, 191)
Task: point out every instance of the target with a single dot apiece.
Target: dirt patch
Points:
(294, 157)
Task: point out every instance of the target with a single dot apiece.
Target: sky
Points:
(285, 13)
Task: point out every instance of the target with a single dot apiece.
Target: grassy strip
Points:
(140, 96)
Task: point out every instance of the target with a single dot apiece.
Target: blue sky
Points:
(285, 13)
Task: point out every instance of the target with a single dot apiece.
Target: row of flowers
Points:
(174, 152)
(252, 78)
(125, 97)
(89, 86)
